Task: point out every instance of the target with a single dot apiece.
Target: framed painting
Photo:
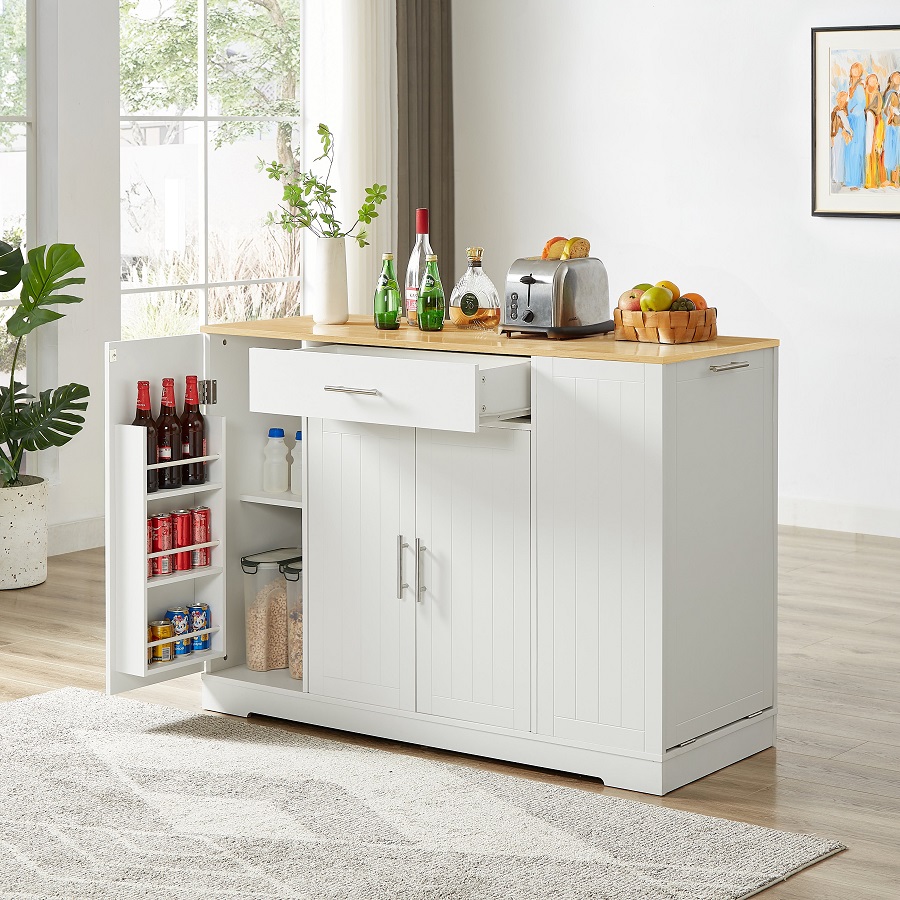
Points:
(856, 121)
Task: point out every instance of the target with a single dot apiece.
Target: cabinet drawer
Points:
(414, 388)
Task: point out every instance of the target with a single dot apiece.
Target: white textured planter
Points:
(328, 281)
(23, 534)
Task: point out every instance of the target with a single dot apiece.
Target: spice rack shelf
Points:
(184, 491)
(189, 575)
(286, 499)
(182, 637)
(146, 602)
(183, 662)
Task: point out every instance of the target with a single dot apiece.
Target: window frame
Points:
(205, 121)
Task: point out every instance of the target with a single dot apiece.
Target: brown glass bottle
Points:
(193, 434)
(143, 416)
(168, 437)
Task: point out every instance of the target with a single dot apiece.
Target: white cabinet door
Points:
(589, 516)
(473, 644)
(361, 499)
(721, 593)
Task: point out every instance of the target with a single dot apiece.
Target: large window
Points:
(208, 88)
(16, 139)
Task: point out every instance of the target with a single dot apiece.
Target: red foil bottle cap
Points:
(422, 220)
(168, 392)
(143, 397)
(191, 394)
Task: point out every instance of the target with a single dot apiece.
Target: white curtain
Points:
(350, 73)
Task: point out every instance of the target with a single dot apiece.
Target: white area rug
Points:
(105, 797)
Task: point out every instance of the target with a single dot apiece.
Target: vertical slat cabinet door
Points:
(473, 523)
(133, 599)
(721, 597)
(589, 514)
(361, 623)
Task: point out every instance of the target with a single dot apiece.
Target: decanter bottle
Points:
(475, 302)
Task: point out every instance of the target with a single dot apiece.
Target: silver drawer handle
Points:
(401, 584)
(341, 389)
(729, 367)
(420, 588)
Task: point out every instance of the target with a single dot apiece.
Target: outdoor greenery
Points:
(310, 200)
(53, 418)
(12, 65)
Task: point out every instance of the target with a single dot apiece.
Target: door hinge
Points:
(207, 390)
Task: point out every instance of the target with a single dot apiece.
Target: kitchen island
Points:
(559, 553)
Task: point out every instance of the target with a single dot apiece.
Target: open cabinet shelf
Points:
(190, 575)
(286, 499)
(182, 662)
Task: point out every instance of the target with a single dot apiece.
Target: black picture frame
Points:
(833, 207)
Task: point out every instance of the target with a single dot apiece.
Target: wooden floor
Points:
(835, 772)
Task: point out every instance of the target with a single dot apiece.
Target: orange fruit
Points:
(698, 301)
(669, 286)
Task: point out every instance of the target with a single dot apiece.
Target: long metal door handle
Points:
(420, 588)
(343, 389)
(729, 367)
(401, 584)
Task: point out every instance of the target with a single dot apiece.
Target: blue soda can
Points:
(181, 623)
(200, 621)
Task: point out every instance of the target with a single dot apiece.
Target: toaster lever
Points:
(528, 279)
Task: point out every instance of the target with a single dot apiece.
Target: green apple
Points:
(642, 287)
(658, 299)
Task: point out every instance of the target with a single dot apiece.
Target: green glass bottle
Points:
(387, 296)
(430, 306)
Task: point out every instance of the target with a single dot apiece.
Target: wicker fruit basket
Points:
(674, 327)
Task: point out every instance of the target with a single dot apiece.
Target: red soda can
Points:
(149, 534)
(201, 519)
(161, 539)
(182, 531)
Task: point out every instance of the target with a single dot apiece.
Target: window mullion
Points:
(203, 88)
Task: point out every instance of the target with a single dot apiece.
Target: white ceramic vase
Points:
(328, 281)
(23, 534)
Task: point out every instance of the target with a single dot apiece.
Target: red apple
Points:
(631, 299)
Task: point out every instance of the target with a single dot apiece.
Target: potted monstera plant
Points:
(29, 423)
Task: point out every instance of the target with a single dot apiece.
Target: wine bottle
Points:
(416, 268)
(193, 434)
(168, 437)
(143, 416)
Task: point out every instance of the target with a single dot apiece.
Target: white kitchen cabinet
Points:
(597, 578)
(473, 616)
(656, 563)
(361, 627)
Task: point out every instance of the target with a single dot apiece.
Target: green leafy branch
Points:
(54, 418)
(309, 200)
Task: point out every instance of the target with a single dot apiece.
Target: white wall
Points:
(78, 202)
(676, 137)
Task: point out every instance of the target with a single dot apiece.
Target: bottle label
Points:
(163, 454)
(428, 284)
(468, 303)
(412, 298)
(185, 450)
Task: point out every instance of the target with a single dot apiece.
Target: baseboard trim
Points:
(823, 516)
(67, 537)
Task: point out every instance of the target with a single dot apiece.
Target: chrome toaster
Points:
(556, 297)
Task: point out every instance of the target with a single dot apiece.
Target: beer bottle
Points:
(430, 311)
(144, 417)
(193, 434)
(168, 437)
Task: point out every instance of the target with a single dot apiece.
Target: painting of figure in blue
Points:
(865, 120)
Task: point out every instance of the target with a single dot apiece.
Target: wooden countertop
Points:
(360, 331)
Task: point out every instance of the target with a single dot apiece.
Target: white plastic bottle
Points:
(297, 467)
(275, 467)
